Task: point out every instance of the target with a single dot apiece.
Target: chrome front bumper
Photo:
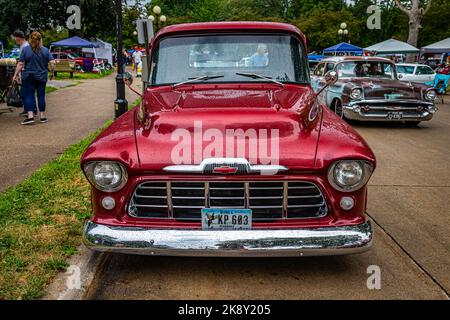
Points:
(249, 243)
(379, 112)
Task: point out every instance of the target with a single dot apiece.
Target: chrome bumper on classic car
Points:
(248, 243)
(379, 110)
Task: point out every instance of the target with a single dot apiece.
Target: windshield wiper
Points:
(201, 78)
(259, 76)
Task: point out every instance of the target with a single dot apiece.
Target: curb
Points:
(75, 283)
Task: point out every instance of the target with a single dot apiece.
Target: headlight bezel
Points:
(359, 96)
(428, 91)
(89, 169)
(367, 170)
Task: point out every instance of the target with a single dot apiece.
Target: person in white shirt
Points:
(137, 58)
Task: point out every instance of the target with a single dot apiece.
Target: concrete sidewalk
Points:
(73, 114)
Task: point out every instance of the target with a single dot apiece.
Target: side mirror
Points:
(128, 78)
(330, 78)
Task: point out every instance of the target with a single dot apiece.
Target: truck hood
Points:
(265, 125)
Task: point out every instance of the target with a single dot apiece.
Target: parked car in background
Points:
(420, 73)
(61, 56)
(313, 61)
(307, 198)
(433, 63)
(86, 61)
(443, 69)
(368, 89)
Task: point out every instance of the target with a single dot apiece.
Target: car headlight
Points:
(107, 176)
(432, 109)
(349, 175)
(356, 94)
(430, 95)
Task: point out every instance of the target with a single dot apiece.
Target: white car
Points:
(420, 73)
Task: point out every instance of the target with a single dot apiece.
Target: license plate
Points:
(226, 219)
(395, 115)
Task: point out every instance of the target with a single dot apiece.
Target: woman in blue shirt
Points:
(34, 61)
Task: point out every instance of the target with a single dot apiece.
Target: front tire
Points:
(338, 109)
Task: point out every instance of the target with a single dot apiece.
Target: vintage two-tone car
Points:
(231, 153)
(368, 89)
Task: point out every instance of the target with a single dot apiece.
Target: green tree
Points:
(435, 25)
(321, 28)
(207, 10)
(174, 8)
(97, 16)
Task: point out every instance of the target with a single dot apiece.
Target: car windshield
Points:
(278, 57)
(405, 69)
(365, 69)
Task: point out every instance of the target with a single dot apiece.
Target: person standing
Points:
(34, 61)
(19, 38)
(260, 58)
(137, 58)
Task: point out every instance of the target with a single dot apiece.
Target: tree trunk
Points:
(415, 14)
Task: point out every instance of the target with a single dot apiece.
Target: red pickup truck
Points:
(231, 153)
(81, 61)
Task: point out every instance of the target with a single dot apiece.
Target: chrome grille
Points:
(268, 200)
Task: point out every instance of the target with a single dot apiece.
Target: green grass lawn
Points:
(41, 224)
(49, 89)
(82, 76)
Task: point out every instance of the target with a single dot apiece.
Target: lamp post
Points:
(343, 32)
(121, 103)
(157, 18)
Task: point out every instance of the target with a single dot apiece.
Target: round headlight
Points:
(356, 94)
(349, 175)
(430, 95)
(106, 176)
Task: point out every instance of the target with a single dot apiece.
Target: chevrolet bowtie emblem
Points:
(226, 166)
(225, 170)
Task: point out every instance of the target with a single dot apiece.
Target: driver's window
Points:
(320, 70)
(330, 67)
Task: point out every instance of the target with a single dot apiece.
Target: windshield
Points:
(278, 57)
(371, 69)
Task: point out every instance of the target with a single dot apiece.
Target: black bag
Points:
(14, 99)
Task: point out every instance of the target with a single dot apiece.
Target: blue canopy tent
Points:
(343, 48)
(76, 42)
(315, 57)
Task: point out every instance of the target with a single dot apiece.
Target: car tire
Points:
(338, 109)
(108, 67)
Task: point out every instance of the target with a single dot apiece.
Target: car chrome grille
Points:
(268, 200)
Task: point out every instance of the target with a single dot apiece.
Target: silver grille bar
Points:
(269, 200)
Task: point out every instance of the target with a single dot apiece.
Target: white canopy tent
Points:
(392, 47)
(442, 46)
(104, 50)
